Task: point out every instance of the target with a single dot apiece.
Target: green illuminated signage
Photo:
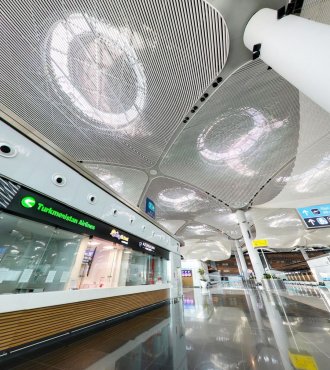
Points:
(28, 202)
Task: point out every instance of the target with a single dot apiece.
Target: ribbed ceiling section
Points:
(106, 80)
(127, 182)
(240, 138)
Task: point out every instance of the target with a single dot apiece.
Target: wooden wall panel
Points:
(19, 328)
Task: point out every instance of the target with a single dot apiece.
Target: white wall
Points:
(34, 167)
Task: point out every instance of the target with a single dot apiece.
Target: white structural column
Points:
(296, 48)
(242, 260)
(253, 254)
(238, 262)
(304, 253)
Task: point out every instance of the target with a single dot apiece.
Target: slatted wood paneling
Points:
(19, 328)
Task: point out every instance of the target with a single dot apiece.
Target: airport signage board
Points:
(260, 243)
(303, 361)
(315, 217)
(150, 208)
(37, 207)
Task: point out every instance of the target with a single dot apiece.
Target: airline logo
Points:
(28, 202)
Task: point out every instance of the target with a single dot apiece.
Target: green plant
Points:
(267, 276)
(201, 274)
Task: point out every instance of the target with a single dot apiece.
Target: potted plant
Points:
(203, 280)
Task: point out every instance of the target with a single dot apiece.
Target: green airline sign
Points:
(30, 202)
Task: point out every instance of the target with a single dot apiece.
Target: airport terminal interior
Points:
(164, 184)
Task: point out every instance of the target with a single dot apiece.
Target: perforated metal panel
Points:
(177, 200)
(240, 138)
(108, 80)
(127, 182)
(317, 10)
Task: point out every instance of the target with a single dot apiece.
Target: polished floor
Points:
(219, 328)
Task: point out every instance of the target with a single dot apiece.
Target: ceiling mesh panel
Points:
(244, 134)
(104, 80)
(127, 182)
(317, 10)
(178, 201)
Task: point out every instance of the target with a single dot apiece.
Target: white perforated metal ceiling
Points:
(134, 91)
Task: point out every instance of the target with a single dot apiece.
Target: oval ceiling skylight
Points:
(96, 67)
(254, 127)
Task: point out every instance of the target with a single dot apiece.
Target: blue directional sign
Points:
(315, 217)
(150, 208)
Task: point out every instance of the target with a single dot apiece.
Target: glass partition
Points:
(108, 265)
(37, 258)
(34, 257)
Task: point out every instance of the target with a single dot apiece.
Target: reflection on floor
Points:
(213, 329)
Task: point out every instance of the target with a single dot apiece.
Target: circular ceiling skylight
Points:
(95, 65)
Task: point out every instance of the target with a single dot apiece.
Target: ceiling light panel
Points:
(127, 182)
(240, 138)
(106, 80)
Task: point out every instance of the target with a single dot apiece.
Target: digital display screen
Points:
(186, 273)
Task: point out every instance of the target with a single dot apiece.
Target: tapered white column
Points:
(253, 254)
(302, 250)
(242, 260)
(296, 48)
(238, 262)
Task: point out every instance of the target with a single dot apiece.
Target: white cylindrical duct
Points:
(296, 48)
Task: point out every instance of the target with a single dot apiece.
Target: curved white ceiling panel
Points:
(127, 182)
(109, 81)
(215, 250)
(308, 182)
(171, 225)
(177, 200)
(281, 227)
(243, 135)
(224, 220)
(200, 232)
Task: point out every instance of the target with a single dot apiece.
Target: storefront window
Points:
(142, 269)
(34, 257)
(37, 258)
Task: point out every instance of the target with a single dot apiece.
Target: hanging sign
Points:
(315, 217)
(303, 361)
(37, 207)
(260, 243)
